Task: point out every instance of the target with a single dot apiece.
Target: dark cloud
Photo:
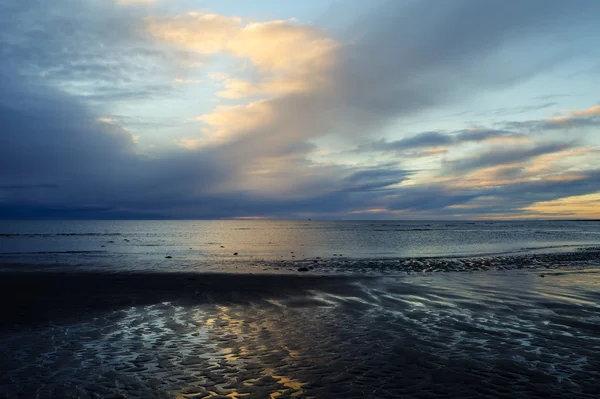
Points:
(503, 156)
(438, 139)
(546, 190)
(568, 122)
(48, 138)
(373, 179)
(429, 198)
(26, 186)
(463, 136)
(426, 139)
(509, 198)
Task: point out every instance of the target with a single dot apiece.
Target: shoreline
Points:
(29, 299)
(580, 256)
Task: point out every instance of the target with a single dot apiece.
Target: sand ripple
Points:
(497, 334)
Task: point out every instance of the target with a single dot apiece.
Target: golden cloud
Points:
(560, 166)
(271, 46)
(593, 111)
(574, 116)
(289, 59)
(203, 33)
(237, 88)
(579, 206)
(239, 117)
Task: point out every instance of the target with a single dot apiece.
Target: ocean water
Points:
(210, 245)
(305, 310)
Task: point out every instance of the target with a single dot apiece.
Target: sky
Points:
(321, 109)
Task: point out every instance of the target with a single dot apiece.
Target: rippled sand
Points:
(494, 334)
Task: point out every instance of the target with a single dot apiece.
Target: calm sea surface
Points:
(146, 244)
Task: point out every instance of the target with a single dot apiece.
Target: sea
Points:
(299, 309)
(214, 245)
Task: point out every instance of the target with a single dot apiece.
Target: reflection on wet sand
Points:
(226, 324)
(500, 334)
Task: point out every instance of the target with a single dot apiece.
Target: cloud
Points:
(68, 159)
(65, 153)
(521, 109)
(230, 121)
(69, 46)
(271, 46)
(204, 33)
(373, 179)
(291, 60)
(381, 75)
(288, 55)
(573, 119)
(434, 140)
(504, 156)
(427, 139)
(590, 112)
(186, 81)
(238, 88)
(409, 57)
(578, 206)
(26, 186)
(504, 200)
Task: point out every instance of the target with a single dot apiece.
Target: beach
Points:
(299, 199)
(512, 324)
(495, 334)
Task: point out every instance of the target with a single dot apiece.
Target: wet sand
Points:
(33, 298)
(170, 335)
